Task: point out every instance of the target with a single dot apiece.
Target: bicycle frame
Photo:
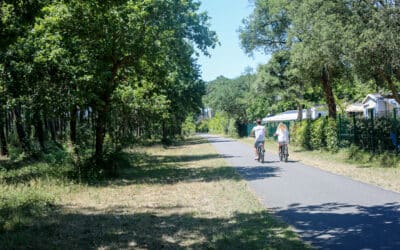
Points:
(283, 152)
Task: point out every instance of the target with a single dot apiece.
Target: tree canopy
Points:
(329, 42)
(94, 70)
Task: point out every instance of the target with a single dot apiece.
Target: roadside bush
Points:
(355, 154)
(202, 126)
(293, 130)
(382, 128)
(232, 129)
(360, 156)
(303, 134)
(318, 136)
(188, 126)
(372, 135)
(331, 134)
(219, 124)
(387, 160)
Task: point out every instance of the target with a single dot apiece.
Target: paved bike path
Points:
(327, 210)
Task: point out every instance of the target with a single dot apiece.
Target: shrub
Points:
(387, 160)
(382, 128)
(355, 154)
(188, 126)
(331, 134)
(232, 129)
(202, 126)
(302, 134)
(318, 136)
(293, 131)
(219, 124)
(372, 135)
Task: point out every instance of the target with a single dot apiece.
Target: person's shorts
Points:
(257, 143)
(281, 143)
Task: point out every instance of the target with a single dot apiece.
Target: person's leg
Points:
(255, 150)
(280, 147)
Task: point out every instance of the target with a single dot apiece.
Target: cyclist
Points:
(283, 135)
(259, 133)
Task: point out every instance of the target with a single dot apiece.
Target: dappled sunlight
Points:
(147, 168)
(91, 228)
(346, 226)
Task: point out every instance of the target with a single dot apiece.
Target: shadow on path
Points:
(259, 172)
(346, 226)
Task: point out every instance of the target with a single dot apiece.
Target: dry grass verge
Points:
(179, 197)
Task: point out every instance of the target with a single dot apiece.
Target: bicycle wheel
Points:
(280, 153)
(286, 153)
(261, 156)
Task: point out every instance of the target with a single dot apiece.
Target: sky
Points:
(227, 59)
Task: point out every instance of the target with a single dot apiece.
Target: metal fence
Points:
(376, 134)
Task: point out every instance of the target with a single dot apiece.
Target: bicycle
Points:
(283, 152)
(261, 153)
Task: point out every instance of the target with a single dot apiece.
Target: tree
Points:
(16, 20)
(105, 68)
(266, 29)
(282, 83)
(310, 30)
(373, 42)
(320, 28)
(126, 42)
(229, 96)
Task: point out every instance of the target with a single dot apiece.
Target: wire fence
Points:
(376, 134)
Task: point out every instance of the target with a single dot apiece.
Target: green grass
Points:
(177, 197)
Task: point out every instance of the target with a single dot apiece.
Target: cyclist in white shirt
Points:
(259, 133)
(283, 135)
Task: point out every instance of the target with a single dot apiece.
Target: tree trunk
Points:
(103, 110)
(102, 114)
(52, 130)
(72, 125)
(330, 99)
(3, 141)
(20, 130)
(8, 122)
(164, 131)
(39, 130)
(299, 111)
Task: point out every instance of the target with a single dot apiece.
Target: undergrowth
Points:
(371, 159)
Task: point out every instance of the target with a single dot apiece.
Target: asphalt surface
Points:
(327, 210)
